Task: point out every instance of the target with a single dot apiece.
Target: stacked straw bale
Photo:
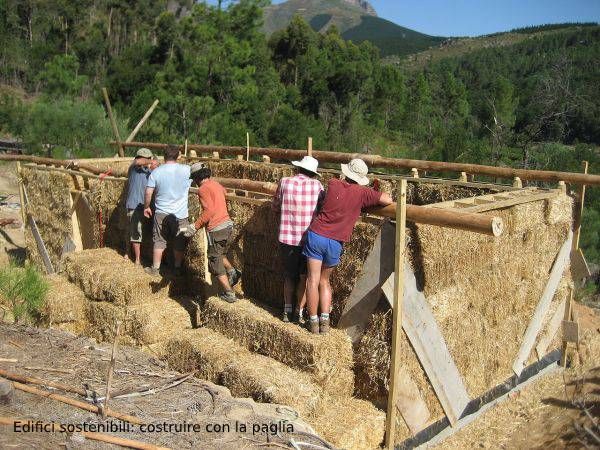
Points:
(49, 195)
(328, 358)
(64, 306)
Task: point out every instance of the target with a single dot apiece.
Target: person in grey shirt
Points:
(169, 184)
(137, 176)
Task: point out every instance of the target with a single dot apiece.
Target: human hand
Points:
(188, 231)
(148, 212)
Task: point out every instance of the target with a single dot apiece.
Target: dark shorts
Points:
(165, 228)
(136, 223)
(322, 248)
(218, 244)
(294, 262)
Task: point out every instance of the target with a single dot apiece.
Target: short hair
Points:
(171, 153)
(201, 174)
(308, 173)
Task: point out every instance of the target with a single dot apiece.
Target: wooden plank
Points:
(568, 314)
(518, 200)
(551, 330)
(410, 402)
(398, 296)
(74, 200)
(426, 338)
(366, 294)
(535, 324)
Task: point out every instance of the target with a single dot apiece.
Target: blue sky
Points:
(477, 17)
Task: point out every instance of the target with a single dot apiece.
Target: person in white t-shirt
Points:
(169, 183)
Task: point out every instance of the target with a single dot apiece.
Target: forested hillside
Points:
(533, 104)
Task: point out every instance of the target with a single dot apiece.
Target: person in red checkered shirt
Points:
(296, 201)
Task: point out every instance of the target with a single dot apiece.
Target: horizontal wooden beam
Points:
(397, 163)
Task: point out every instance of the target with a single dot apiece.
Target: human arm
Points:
(147, 200)
(208, 209)
(385, 199)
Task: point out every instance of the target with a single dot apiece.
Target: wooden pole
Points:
(113, 122)
(67, 163)
(108, 438)
(396, 314)
(247, 146)
(566, 318)
(394, 163)
(186, 148)
(34, 380)
(76, 403)
(111, 368)
(21, 195)
(142, 121)
(579, 211)
(310, 150)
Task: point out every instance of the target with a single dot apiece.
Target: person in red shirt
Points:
(332, 227)
(219, 229)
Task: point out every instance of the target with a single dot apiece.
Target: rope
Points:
(100, 228)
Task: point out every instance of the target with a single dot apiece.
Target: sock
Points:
(324, 316)
(314, 318)
(301, 313)
(156, 267)
(287, 308)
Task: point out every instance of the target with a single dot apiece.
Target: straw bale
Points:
(64, 303)
(103, 274)
(328, 358)
(350, 423)
(156, 320)
(49, 195)
(203, 350)
(268, 381)
(108, 200)
(257, 171)
(559, 210)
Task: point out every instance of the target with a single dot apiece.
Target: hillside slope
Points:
(356, 20)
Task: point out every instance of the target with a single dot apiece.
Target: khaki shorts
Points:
(136, 223)
(165, 228)
(218, 244)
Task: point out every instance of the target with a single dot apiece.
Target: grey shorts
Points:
(136, 223)
(165, 228)
(218, 244)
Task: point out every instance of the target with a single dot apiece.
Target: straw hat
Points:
(144, 153)
(356, 170)
(308, 163)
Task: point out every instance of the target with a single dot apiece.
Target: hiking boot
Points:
(228, 296)
(313, 326)
(285, 317)
(234, 277)
(324, 326)
(298, 319)
(152, 271)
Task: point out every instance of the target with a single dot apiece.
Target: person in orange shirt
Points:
(219, 229)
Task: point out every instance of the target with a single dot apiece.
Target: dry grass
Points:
(328, 358)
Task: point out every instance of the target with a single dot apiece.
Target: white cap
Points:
(356, 170)
(308, 163)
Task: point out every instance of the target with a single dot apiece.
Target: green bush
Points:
(23, 290)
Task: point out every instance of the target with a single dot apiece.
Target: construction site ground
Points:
(559, 410)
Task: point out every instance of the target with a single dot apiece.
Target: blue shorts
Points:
(322, 248)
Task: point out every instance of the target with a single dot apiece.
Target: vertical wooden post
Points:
(517, 183)
(185, 148)
(397, 314)
(567, 318)
(463, 177)
(562, 186)
(579, 211)
(266, 159)
(113, 122)
(247, 146)
(309, 146)
(21, 196)
(415, 172)
(216, 155)
(240, 157)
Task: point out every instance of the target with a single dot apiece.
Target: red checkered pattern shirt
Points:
(296, 200)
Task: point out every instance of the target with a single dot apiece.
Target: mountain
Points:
(357, 21)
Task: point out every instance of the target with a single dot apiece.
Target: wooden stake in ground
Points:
(111, 368)
(186, 148)
(247, 146)
(309, 146)
(390, 429)
(135, 131)
(21, 195)
(579, 211)
(113, 122)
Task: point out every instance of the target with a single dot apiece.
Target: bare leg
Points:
(224, 282)
(227, 264)
(301, 294)
(325, 290)
(178, 258)
(157, 255)
(136, 251)
(312, 286)
(127, 249)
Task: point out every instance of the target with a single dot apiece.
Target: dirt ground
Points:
(55, 355)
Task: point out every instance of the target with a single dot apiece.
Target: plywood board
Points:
(410, 402)
(422, 330)
(544, 342)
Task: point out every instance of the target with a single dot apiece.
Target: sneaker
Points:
(298, 319)
(324, 326)
(285, 317)
(152, 271)
(228, 296)
(234, 277)
(313, 326)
